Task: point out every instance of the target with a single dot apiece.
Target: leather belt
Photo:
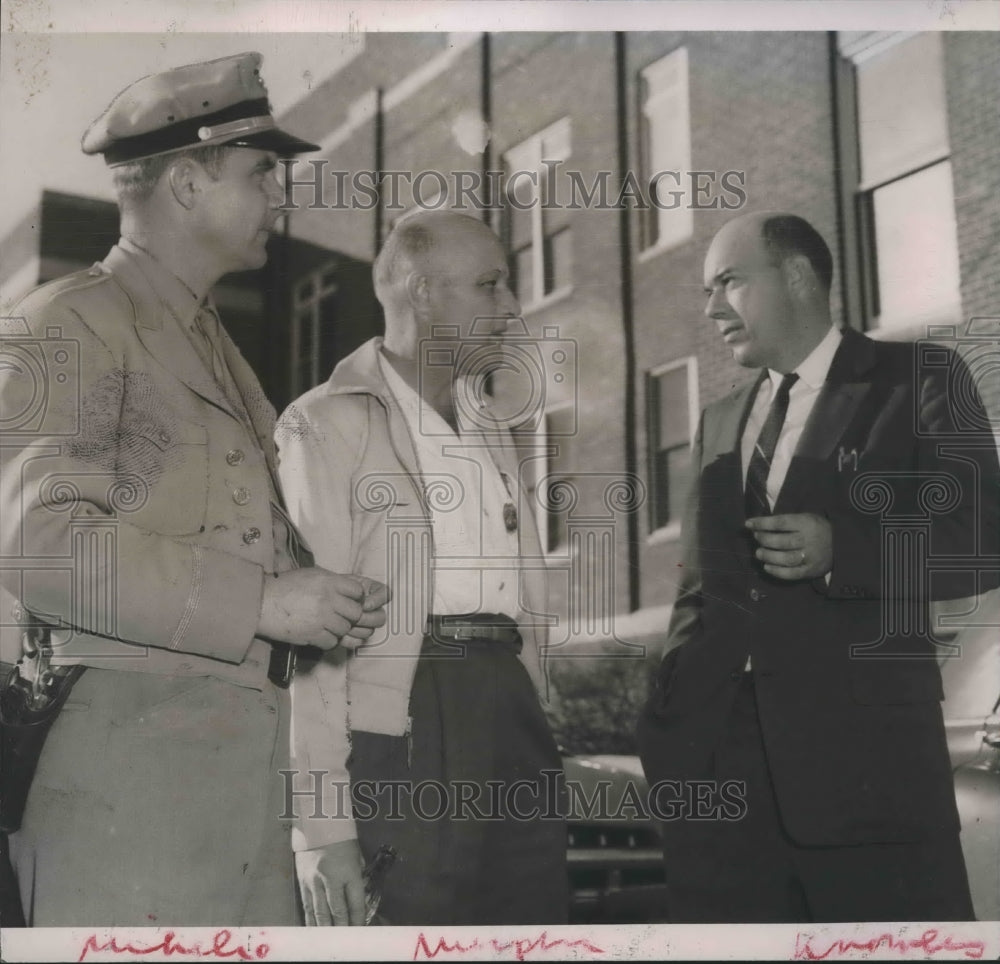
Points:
(474, 627)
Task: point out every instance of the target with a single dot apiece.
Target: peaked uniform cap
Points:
(218, 102)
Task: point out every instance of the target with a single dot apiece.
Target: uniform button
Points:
(756, 595)
(251, 535)
(235, 456)
(241, 496)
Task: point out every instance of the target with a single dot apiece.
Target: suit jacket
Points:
(847, 684)
(134, 502)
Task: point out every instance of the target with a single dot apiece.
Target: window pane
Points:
(902, 121)
(558, 261)
(673, 421)
(666, 145)
(917, 243)
(524, 275)
(669, 444)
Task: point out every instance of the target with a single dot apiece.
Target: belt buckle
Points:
(463, 631)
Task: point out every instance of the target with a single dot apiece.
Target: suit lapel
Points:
(846, 387)
(161, 333)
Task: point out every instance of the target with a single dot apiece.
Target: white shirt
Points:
(802, 397)
(476, 560)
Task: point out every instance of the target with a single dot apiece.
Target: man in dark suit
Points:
(832, 499)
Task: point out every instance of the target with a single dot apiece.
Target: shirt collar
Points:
(411, 400)
(813, 370)
(176, 295)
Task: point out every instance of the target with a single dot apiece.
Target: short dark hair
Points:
(135, 181)
(787, 234)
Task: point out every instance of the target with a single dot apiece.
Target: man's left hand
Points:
(795, 546)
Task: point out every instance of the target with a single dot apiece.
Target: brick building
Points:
(887, 143)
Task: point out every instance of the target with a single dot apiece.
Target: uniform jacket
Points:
(350, 475)
(847, 683)
(135, 504)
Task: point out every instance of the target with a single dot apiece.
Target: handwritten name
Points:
(929, 944)
(520, 948)
(220, 948)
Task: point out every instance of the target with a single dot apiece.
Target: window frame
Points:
(670, 531)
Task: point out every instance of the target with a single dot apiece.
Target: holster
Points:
(30, 700)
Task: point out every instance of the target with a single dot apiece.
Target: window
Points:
(665, 143)
(905, 209)
(314, 312)
(672, 412)
(539, 235)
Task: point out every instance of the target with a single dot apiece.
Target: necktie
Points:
(763, 452)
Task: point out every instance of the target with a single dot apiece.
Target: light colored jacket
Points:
(350, 475)
(117, 508)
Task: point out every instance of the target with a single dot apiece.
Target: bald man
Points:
(397, 465)
(795, 663)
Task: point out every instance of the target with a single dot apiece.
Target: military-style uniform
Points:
(140, 507)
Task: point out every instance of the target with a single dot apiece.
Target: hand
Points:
(372, 612)
(314, 607)
(796, 546)
(330, 882)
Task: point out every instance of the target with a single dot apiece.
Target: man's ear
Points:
(799, 275)
(183, 176)
(417, 290)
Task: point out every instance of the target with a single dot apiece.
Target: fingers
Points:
(776, 523)
(371, 619)
(787, 572)
(307, 906)
(784, 558)
(376, 593)
(355, 892)
(338, 906)
(780, 540)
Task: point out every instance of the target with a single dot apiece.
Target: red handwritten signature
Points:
(521, 947)
(219, 948)
(930, 943)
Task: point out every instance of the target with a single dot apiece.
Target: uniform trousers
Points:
(156, 802)
(749, 870)
(477, 733)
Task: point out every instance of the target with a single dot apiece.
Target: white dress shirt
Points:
(802, 397)
(476, 560)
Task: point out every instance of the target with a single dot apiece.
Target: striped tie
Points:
(763, 452)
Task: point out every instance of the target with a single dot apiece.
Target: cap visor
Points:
(277, 141)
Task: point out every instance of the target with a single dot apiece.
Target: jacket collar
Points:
(163, 311)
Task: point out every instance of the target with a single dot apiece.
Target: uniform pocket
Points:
(175, 475)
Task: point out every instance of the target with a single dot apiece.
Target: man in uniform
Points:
(145, 538)
(797, 661)
(394, 470)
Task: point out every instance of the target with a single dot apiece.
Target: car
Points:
(615, 854)
(971, 678)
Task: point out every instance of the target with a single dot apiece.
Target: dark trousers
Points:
(750, 870)
(469, 799)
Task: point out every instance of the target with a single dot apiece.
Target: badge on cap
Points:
(218, 102)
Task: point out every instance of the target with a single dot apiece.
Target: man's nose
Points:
(510, 305)
(716, 305)
(275, 190)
